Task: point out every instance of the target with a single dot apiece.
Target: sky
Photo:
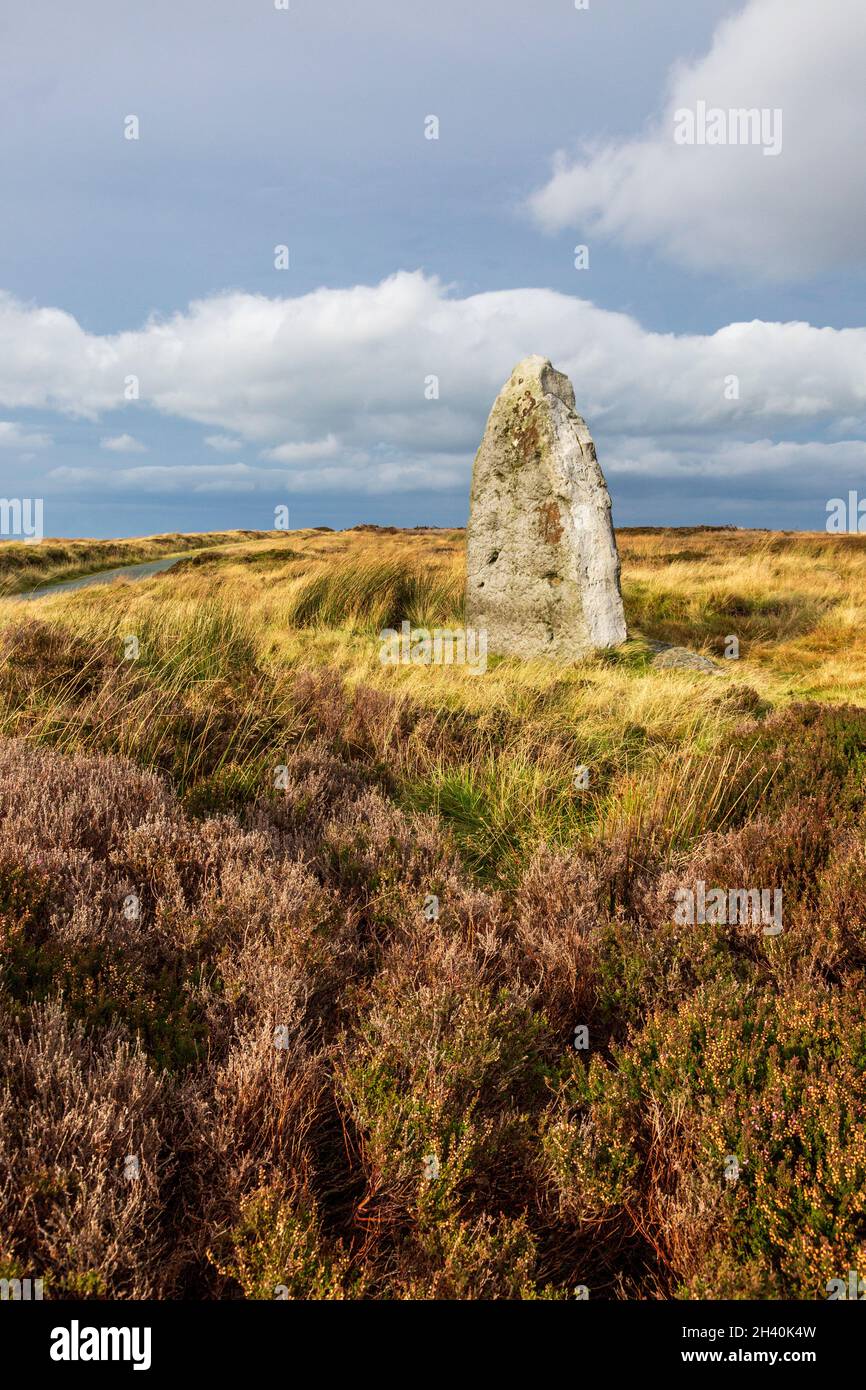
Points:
(256, 257)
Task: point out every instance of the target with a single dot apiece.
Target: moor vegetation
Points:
(25, 566)
(215, 957)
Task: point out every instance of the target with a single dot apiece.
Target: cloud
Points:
(223, 443)
(12, 436)
(728, 207)
(788, 461)
(165, 479)
(315, 449)
(123, 444)
(334, 389)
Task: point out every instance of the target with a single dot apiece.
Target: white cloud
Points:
(786, 460)
(223, 443)
(730, 207)
(329, 387)
(315, 449)
(12, 436)
(165, 478)
(123, 444)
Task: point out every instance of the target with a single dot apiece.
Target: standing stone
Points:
(542, 564)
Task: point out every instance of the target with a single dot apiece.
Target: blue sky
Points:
(411, 258)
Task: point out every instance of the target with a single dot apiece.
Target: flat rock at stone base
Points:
(681, 659)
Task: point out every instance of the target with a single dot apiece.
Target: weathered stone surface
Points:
(542, 563)
(682, 659)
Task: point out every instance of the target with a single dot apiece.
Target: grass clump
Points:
(369, 597)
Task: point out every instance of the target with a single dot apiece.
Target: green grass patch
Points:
(369, 597)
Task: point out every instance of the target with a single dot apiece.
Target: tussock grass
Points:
(193, 702)
(371, 596)
(680, 795)
(501, 809)
(197, 640)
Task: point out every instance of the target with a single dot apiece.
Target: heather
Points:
(218, 958)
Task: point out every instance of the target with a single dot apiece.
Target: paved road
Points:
(140, 571)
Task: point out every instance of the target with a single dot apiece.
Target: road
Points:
(140, 571)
